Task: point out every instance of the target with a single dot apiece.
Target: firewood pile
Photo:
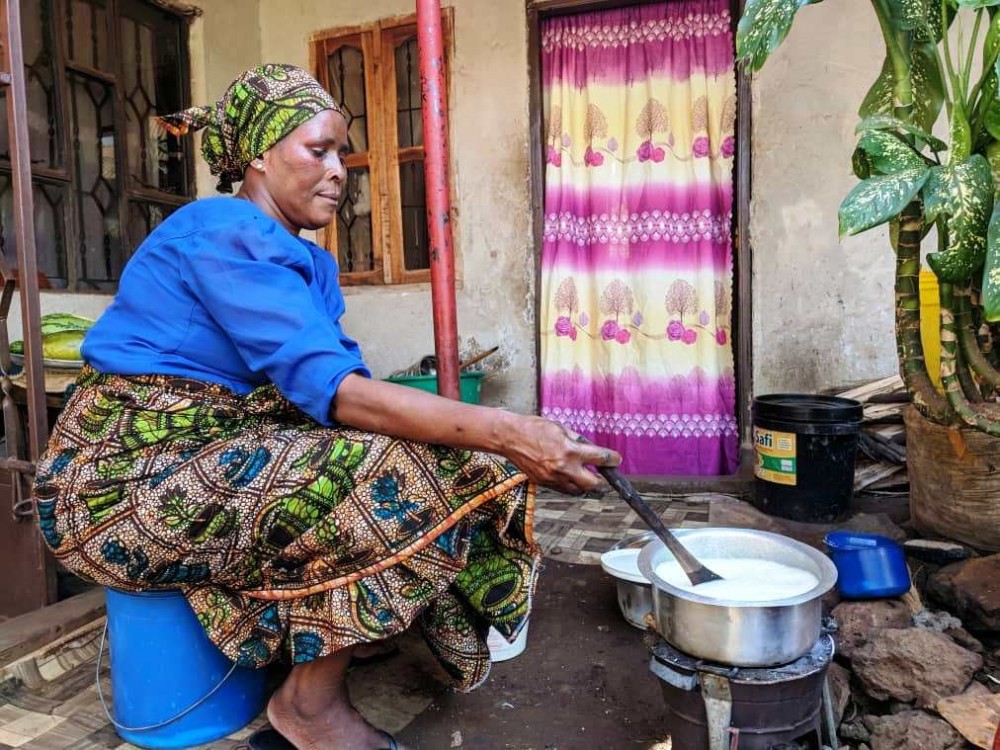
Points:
(881, 464)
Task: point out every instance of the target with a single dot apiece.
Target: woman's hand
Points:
(553, 457)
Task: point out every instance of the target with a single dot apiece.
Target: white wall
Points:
(823, 309)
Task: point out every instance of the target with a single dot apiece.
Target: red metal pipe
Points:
(434, 99)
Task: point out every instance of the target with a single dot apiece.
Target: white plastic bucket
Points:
(501, 650)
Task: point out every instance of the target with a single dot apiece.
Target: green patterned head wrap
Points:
(261, 107)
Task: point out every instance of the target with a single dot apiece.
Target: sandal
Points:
(268, 739)
(271, 739)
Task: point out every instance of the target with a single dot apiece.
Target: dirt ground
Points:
(582, 683)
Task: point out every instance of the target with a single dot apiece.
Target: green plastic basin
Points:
(470, 384)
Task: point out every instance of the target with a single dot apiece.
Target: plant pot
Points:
(954, 482)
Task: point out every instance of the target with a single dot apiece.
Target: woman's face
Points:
(304, 172)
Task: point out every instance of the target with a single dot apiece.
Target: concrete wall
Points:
(223, 42)
(822, 308)
(489, 150)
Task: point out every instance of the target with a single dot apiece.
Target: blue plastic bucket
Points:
(162, 664)
(868, 566)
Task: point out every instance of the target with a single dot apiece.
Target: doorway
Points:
(640, 174)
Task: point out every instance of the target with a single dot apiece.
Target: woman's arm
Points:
(543, 450)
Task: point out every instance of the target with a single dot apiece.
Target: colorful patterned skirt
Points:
(289, 539)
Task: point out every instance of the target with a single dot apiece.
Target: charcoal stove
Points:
(718, 707)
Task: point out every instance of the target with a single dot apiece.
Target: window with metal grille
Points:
(380, 234)
(102, 176)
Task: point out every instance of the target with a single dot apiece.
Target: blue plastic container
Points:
(868, 566)
(162, 663)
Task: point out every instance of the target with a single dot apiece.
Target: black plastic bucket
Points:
(805, 448)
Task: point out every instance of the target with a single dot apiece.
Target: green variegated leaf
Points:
(935, 195)
(991, 93)
(887, 122)
(963, 195)
(926, 85)
(879, 199)
(959, 134)
(878, 100)
(764, 25)
(950, 188)
(991, 271)
(989, 89)
(993, 157)
(934, 17)
(992, 43)
(888, 153)
(928, 88)
(912, 15)
(991, 120)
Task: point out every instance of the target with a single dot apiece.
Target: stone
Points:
(965, 639)
(914, 730)
(854, 731)
(974, 714)
(856, 621)
(914, 665)
(939, 621)
(840, 689)
(970, 589)
(935, 552)
(977, 689)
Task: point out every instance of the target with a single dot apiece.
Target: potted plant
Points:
(915, 182)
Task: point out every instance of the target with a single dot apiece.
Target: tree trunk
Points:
(949, 369)
(909, 347)
(969, 343)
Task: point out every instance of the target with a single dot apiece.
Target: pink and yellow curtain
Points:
(636, 307)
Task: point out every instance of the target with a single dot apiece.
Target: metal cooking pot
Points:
(635, 597)
(743, 634)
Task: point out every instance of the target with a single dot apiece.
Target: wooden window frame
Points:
(378, 42)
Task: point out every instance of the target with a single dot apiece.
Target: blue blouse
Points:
(222, 292)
